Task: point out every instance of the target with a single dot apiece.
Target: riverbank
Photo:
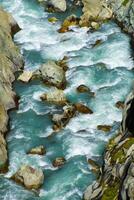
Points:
(116, 179)
(10, 62)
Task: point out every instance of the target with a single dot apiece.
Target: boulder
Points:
(84, 89)
(69, 21)
(83, 109)
(56, 96)
(58, 162)
(54, 5)
(105, 128)
(30, 177)
(52, 74)
(59, 5)
(40, 150)
(25, 76)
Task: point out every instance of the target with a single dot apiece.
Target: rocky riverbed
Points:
(78, 71)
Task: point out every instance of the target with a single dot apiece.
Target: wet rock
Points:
(52, 74)
(97, 43)
(105, 128)
(119, 105)
(56, 96)
(94, 166)
(30, 177)
(61, 120)
(40, 150)
(3, 154)
(58, 162)
(83, 109)
(25, 76)
(95, 25)
(69, 21)
(83, 89)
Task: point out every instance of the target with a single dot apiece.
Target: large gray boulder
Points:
(53, 74)
(30, 177)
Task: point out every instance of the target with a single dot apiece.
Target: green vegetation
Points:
(124, 3)
(111, 192)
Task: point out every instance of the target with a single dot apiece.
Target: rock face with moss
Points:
(10, 61)
(117, 179)
(124, 13)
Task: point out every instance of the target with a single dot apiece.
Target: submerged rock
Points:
(58, 162)
(56, 96)
(52, 74)
(40, 150)
(105, 128)
(30, 177)
(83, 109)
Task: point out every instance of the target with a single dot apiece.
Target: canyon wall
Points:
(10, 62)
(116, 180)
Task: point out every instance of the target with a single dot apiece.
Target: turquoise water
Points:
(106, 69)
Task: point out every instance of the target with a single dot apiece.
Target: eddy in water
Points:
(71, 92)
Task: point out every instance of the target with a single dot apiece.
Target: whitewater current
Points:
(105, 68)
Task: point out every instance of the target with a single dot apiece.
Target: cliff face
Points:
(10, 61)
(117, 178)
(124, 13)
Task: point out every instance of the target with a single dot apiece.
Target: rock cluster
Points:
(94, 12)
(10, 61)
(117, 178)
